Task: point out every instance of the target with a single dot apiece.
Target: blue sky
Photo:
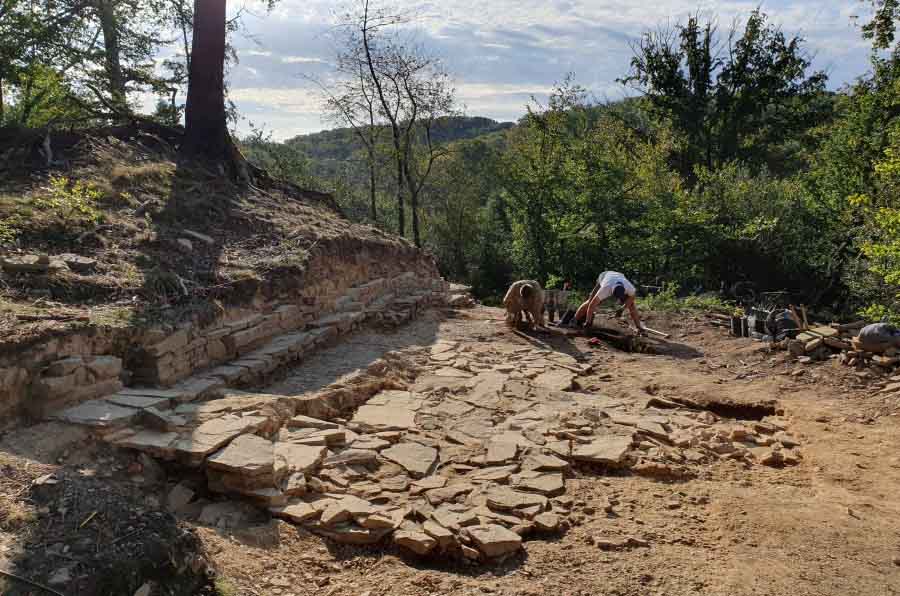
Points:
(502, 52)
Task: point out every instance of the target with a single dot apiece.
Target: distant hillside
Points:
(330, 151)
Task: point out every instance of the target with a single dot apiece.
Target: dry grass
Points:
(15, 514)
(145, 203)
(16, 477)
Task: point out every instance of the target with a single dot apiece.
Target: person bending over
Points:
(610, 284)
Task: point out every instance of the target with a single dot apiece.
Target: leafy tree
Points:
(881, 29)
(730, 99)
(411, 90)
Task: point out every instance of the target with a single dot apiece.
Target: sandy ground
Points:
(828, 526)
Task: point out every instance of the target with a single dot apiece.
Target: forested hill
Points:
(329, 151)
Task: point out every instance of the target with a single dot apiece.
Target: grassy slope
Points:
(127, 203)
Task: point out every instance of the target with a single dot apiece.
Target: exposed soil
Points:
(830, 525)
(122, 200)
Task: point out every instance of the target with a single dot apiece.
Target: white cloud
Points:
(504, 51)
(301, 60)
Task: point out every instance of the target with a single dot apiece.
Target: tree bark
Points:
(372, 207)
(401, 214)
(413, 202)
(206, 133)
(1, 102)
(110, 26)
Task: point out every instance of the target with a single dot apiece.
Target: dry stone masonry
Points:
(462, 449)
(340, 291)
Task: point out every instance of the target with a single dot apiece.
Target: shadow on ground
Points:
(356, 353)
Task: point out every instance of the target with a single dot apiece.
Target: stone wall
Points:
(342, 287)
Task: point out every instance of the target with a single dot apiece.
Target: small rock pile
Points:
(42, 264)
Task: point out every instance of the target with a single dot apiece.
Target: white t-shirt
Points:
(608, 281)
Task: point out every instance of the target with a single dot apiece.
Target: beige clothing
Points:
(532, 306)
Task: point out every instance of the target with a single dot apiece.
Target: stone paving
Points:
(461, 447)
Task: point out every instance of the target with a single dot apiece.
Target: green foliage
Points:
(8, 230)
(73, 202)
(224, 587)
(281, 160)
(882, 27)
(668, 300)
(746, 97)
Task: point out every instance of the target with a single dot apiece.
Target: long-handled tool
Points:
(655, 332)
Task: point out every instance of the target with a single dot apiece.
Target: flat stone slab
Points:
(506, 499)
(604, 450)
(500, 452)
(428, 483)
(549, 484)
(370, 443)
(213, 434)
(299, 458)
(350, 457)
(386, 417)
(495, 540)
(308, 422)
(496, 474)
(419, 543)
(451, 408)
(544, 463)
(247, 455)
(416, 459)
(296, 512)
(556, 380)
(99, 413)
(150, 441)
(139, 401)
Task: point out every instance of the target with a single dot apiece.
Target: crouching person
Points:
(879, 338)
(524, 303)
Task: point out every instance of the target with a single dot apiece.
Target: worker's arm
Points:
(633, 311)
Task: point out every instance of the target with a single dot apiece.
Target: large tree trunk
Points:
(110, 26)
(401, 214)
(413, 202)
(1, 101)
(206, 133)
(372, 207)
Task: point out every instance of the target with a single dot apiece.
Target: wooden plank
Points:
(833, 342)
(856, 326)
(814, 344)
(824, 331)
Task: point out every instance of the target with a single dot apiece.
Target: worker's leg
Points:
(633, 311)
(539, 314)
(531, 319)
(582, 314)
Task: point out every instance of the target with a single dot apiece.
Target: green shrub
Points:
(667, 300)
(74, 202)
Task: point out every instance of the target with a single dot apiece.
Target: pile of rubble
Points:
(839, 341)
(44, 263)
(462, 449)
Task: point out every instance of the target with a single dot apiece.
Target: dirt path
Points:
(830, 525)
